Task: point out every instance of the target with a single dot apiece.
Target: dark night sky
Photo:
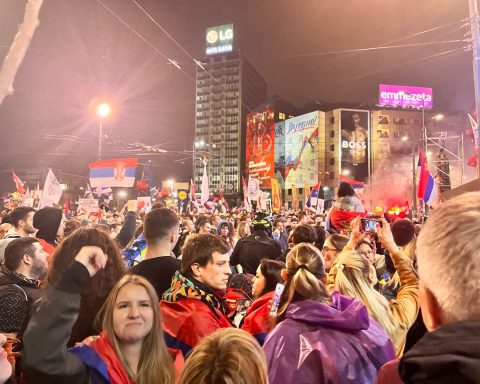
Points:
(81, 52)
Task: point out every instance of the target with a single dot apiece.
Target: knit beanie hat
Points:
(47, 220)
(403, 232)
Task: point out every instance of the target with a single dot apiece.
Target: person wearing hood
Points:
(50, 223)
(321, 338)
(449, 271)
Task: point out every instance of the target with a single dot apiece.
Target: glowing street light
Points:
(103, 110)
(346, 172)
(438, 117)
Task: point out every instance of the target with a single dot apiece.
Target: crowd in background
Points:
(160, 296)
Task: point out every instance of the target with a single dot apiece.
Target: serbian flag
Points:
(313, 198)
(18, 184)
(427, 188)
(113, 173)
(354, 183)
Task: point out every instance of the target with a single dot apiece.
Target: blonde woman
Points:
(243, 229)
(130, 349)
(226, 356)
(321, 338)
(354, 276)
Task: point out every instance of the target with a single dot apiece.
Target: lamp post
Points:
(103, 110)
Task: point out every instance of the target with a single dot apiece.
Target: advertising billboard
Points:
(301, 150)
(405, 96)
(219, 39)
(355, 144)
(260, 145)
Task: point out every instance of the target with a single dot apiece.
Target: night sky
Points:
(81, 52)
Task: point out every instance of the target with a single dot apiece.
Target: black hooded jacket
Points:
(47, 220)
(450, 354)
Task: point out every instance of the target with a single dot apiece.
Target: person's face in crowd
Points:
(205, 228)
(329, 253)
(27, 224)
(133, 314)
(318, 220)
(215, 274)
(5, 366)
(367, 252)
(224, 230)
(259, 283)
(280, 226)
(294, 223)
(39, 261)
(189, 226)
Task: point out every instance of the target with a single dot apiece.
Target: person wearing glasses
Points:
(331, 247)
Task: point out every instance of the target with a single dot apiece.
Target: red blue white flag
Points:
(113, 173)
(427, 188)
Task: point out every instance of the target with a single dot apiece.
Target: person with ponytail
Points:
(321, 338)
(354, 276)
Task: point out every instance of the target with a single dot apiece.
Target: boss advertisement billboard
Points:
(301, 150)
(354, 144)
(260, 146)
(219, 39)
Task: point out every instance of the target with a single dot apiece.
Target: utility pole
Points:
(474, 25)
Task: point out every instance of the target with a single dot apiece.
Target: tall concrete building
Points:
(227, 88)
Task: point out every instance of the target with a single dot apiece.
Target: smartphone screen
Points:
(276, 299)
(369, 225)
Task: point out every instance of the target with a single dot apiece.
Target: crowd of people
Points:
(240, 297)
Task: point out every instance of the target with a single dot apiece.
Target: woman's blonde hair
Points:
(305, 271)
(241, 231)
(155, 364)
(227, 356)
(351, 272)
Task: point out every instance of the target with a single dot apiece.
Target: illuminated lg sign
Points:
(219, 39)
(404, 96)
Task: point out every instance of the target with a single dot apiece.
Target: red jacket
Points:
(257, 319)
(187, 321)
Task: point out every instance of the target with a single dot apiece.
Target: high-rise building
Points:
(227, 88)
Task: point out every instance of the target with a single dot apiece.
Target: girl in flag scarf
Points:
(131, 347)
(346, 208)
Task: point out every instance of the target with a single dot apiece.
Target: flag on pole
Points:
(27, 199)
(52, 191)
(18, 184)
(427, 188)
(113, 173)
(313, 198)
(204, 188)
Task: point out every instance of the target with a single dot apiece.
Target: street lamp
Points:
(103, 110)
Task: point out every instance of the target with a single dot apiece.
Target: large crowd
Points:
(218, 297)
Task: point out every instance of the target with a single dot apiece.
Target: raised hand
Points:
(93, 258)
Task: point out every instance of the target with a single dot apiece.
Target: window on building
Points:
(332, 120)
(332, 147)
(332, 175)
(281, 116)
(289, 192)
(300, 191)
(331, 161)
(332, 133)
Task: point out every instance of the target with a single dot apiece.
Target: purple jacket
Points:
(318, 343)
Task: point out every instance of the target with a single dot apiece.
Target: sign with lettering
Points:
(219, 39)
(405, 96)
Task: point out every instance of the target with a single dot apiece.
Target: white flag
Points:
(52, 190)
(204, 189)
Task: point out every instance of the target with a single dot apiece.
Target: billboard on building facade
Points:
(405, 96)
(355, 144)
(219, 39)
(260, 145)
(301, 150)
